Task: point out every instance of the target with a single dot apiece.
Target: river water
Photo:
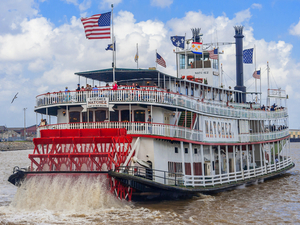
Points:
(84, 200)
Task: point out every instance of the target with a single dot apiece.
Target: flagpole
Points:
(113, 54)
(137, 52)
(156, 58)
(255, 71)
(260, 84)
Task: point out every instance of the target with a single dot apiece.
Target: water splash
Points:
(65, 193)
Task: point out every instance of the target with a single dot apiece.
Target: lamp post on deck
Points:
(24, 123)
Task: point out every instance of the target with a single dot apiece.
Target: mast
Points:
(113, 40)
(137, 55)
(268, 98)
(260, 86)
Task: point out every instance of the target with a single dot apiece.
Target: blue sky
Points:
(42, 43)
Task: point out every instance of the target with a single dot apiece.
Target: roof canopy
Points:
(121, 74)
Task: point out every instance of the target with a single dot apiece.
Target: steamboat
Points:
(163, 136)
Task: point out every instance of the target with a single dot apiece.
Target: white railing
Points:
(263, 136)
(159, 97)
(160, 129)
(212, 180)
(135, 128)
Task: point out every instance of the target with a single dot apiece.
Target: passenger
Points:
(78, 87)
(137, 86)
(115, 86)
(42, 123)
(149, 124)
(95, 91)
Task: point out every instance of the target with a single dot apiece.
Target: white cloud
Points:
(295, 29)
(161, 3)
(256, 6)
(13, 12)
(40, 57)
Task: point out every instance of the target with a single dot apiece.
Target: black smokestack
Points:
(239, 64)
(196, 34)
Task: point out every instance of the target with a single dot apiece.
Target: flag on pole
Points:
(136, 57)
(178, 41)
(248, 56)
(213, 54)
(97, 26)
(256, 74)
(197, 47)
(160, 60)
(111, 47)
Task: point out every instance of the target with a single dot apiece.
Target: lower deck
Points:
(210, 164)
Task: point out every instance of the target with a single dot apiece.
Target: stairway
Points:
(181, 121)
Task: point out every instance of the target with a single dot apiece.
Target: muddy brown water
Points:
(60, 200)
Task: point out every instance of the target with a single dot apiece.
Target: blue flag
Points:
(248, 56)
(110, 47)
(178, 41)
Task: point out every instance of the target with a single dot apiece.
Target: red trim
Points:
(204, 143)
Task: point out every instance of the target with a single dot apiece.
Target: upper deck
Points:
(160, 97)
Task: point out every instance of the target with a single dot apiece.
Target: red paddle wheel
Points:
(83, 150)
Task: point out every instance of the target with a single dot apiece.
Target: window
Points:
(186, 150)
(174, 167)
(125, 115)
(139, 115)
(195, 151)
(176, 150)
(191, 61)
(114, 116)
(74, 117)
(100, 115)
(84, 117)
(182, 61)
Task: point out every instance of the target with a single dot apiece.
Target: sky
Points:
(42, 44)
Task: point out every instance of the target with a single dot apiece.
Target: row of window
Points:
(176, 167)
(186, 150)
(102, 115)
(196, 61)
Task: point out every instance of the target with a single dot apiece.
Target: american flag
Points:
(213, 54)
(256, 74)
(160, 60)
(97, 26)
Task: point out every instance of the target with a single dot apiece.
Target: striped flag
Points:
(213, 54)
(196, 47)
(160, 60)
(256, 74)
(97, 26)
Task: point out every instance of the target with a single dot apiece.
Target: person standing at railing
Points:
(67, 94)
(78, 94)
(115, 88)
(95, 91)
(149, 124)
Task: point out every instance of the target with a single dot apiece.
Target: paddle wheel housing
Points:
(83, 150)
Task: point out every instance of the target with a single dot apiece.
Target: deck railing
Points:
(178, 179)
(158, 97)
(263, 136)
(212, 180)
(135, 128)
(164, 130)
